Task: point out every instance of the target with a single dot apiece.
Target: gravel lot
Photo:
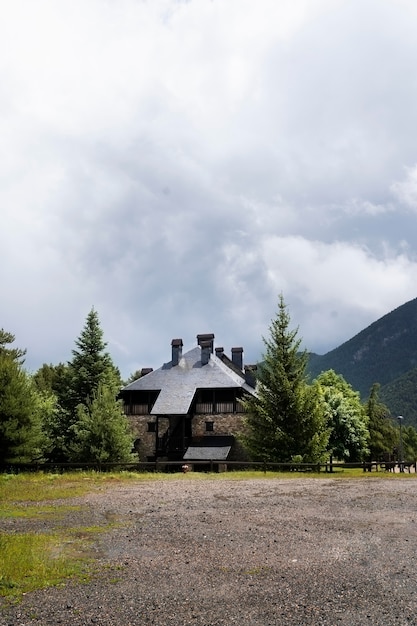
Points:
(208, 552)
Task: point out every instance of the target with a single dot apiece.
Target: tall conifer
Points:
(91, 364)
(284, 418)
(20, 415)
(92, 425)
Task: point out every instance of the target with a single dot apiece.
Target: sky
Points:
(179, 164)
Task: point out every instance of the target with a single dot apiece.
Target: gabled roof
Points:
(178, 383)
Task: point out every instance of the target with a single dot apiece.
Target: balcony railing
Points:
(136, 409)
(209, 408)
(205, 408)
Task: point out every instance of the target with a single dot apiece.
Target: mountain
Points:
(401, 396)
(386, 353)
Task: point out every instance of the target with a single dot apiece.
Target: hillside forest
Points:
(385, 353)
(70, 412)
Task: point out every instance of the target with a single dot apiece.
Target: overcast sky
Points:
(178, 164)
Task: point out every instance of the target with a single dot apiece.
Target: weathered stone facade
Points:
(190, 404)
(223, 425)
(145, 435)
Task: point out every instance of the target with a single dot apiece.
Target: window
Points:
(209, 426)
(151, 427)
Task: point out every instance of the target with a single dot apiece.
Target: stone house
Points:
(188, 409)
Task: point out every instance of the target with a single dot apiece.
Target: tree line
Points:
(294, 419)
(66, 413)
(69, 413)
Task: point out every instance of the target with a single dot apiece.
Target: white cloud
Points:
(406, 190)
(177, 164)
(333, 290)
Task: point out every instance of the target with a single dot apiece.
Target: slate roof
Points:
(178, 384)
(213, 453)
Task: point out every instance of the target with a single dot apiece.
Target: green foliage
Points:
(76, 386)
(90, 365)
(409, 435)
(345, 416)
(371, 355)
(134, 376)
(20, 408)
(52, 379)
(53, 382)
(16, 354)
(284, 418)
(101, 433)
(401, 396)
(384, 353)
(383, 434)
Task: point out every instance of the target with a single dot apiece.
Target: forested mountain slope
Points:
(385, 352)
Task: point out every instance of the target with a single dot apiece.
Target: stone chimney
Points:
(146, 370)
(219, 352)
(176, 351)
(206, 338)
(237, 357)
(206, 350)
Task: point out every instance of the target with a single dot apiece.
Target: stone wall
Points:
(223, 424)
(147, 443)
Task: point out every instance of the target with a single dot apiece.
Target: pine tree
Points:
(90, 365)
(14, 353)
(20, 407)
(383, 435)
(284, 419)
(102, 432)
(53, 384)
(87, 401)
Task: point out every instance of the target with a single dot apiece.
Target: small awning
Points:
(207, 453)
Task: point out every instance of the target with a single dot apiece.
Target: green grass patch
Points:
(31, 561)
(44, 486)
(36, 512)
(39, 487)
(35, 560)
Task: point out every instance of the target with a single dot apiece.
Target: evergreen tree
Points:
(284, 419)
(102, 432)
(409, 434)
(14, 353)
(87, 390)
(345, 416)
(90, 365)
(20, 407)
(52, 379)
(133, 376)
(53, 382)
(383, 435)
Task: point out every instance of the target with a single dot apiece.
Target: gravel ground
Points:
(264, 552)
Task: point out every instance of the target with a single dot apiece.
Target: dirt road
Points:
(208, 552)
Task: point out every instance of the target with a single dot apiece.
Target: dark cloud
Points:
(177, 165)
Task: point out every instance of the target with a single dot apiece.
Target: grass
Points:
(35, 511)
(38, 487)
(35, 560)
(30, 561)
